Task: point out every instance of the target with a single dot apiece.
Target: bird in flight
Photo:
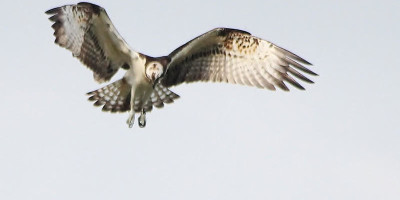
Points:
(220, 55)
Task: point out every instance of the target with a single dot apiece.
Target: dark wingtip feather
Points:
(293, 82)
(293, 56)
(52, 11)
(313, 73)
(226, 31)
(298, 58)
(305, 79)
(88, 4)
(301, 88)
(299, 75)
(299, 66)
(96, 9)
(56, 25)
(54, 18)
(282, 86)
(298, 86)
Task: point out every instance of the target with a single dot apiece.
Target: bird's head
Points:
(156, 69)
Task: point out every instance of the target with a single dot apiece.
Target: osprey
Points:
(220, 55)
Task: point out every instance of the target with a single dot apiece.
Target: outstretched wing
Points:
(234, 56)
(87, 31)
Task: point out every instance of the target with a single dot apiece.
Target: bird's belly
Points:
(141, 87)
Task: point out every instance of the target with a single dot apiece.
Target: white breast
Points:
(141, 86)
(135, 76)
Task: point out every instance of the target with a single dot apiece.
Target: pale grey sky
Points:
(339, 139)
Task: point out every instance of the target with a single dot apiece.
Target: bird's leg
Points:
(142, 119)
(131, 118)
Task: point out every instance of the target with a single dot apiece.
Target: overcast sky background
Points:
(339, 139)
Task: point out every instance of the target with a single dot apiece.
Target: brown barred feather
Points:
(116, 96)
(86, 30)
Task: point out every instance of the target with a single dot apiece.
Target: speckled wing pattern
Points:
(158, 98)
(87, 31)
(237, 57)
(116, 97)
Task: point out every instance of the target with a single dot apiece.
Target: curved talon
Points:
(142, 119)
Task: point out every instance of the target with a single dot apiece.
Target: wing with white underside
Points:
(86, 30)
(235, 56)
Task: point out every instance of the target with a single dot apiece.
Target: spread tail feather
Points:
(116, 96)
(158, 97)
